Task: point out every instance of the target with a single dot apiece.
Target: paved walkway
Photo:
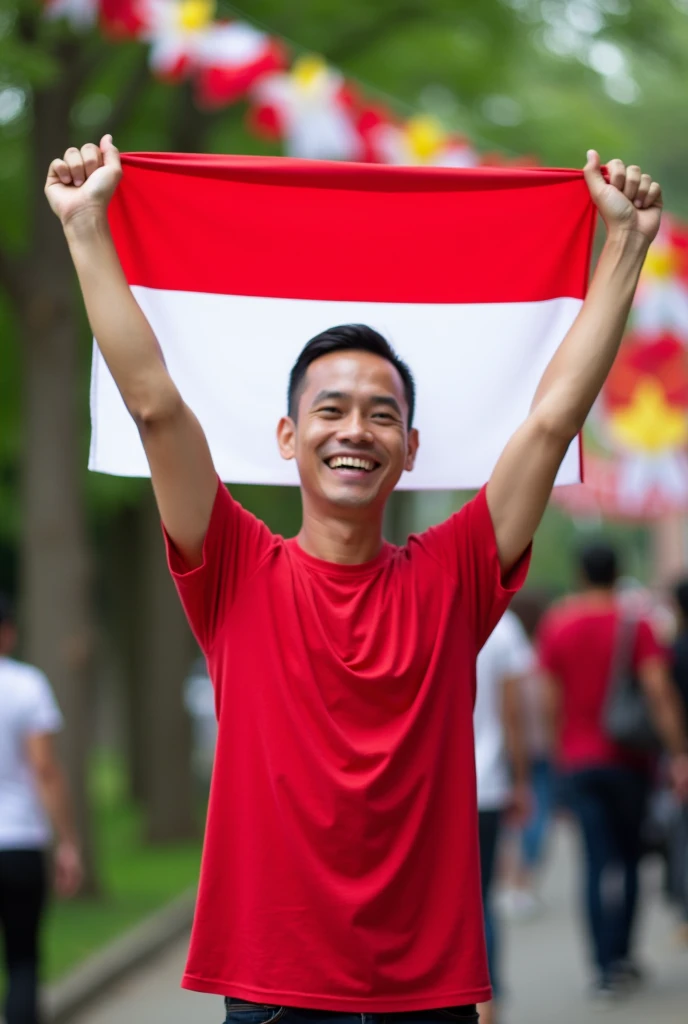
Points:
(544, 968)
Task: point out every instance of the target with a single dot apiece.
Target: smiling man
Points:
(341, 869)
(348, 375)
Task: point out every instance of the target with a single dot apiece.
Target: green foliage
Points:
(137, 879)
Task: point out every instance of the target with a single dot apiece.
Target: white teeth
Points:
(350, 462)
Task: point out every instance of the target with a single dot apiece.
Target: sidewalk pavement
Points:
(545, 967)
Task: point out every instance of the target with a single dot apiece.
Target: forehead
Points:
(361, 374)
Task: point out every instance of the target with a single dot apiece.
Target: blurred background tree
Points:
(544, 77)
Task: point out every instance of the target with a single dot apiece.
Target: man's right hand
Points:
(83, 180)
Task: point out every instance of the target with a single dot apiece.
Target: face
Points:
(351, 441)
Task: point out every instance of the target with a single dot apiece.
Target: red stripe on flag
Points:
(285, 228)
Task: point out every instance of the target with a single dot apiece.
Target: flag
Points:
(474, 275)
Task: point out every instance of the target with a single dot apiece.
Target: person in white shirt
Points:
(34, 801)
(501, 761)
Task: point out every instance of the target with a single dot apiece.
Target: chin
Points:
(349, 499)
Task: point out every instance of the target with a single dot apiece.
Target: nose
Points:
(355, 429)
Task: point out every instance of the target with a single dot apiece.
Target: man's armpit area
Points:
(511, 580)
(184, 563)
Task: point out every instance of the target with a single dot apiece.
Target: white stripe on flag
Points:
(476, 367)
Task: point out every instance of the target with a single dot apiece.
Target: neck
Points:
(341, 538)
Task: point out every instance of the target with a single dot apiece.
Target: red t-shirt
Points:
(340, 868)
(576, 643)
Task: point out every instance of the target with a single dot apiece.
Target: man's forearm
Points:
(54, 795)
(125, 338)
(580, 365)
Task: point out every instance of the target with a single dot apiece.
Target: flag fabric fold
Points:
(474, 275)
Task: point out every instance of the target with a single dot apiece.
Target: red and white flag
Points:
(474, 275)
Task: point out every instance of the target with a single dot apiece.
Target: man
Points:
(341, 860)
(33, 793)
(605, 784)
(501, 763)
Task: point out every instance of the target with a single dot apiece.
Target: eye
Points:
(383, 416)
(329, 410)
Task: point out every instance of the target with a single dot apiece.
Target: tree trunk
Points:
(167, 650)
(55, 557)
(128, 628)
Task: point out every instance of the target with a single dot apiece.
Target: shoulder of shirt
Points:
(566, 610)
(22, 672)
(460, 518)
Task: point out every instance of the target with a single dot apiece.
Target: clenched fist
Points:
(83, 180)
(630, 201)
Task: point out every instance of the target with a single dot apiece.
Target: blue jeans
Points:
(609, 803)
(535, 830)
(240, 1012)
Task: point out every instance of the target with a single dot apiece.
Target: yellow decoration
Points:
(308, 71)
(425, 136)
(649, 423)
(194, 15)
(661, 261)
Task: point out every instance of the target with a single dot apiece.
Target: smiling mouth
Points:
(351, 463)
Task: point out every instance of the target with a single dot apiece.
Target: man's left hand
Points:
(631, 202)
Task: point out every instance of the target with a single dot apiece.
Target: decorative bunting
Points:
(639, 429)
(310, 108)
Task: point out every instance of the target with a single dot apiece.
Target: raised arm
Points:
(79, 188)
(520, 486)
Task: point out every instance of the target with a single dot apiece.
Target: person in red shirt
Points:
(604, 783)
(341, 869)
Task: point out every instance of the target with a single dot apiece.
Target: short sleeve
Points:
(234, 547)
(646, 644)
(466, 546)
(40, 713)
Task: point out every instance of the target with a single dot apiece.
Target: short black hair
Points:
(681, 595)
(356, 337)
(6, 610)
(599, 564)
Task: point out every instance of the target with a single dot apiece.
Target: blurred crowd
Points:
(581, 711)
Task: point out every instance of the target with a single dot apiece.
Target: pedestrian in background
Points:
(33, 795)
(501, 763)
(605, 784)
(525, 854)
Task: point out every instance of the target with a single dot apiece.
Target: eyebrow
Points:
(324, 396)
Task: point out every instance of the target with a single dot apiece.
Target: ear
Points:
(412, 449)
(286, 438)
